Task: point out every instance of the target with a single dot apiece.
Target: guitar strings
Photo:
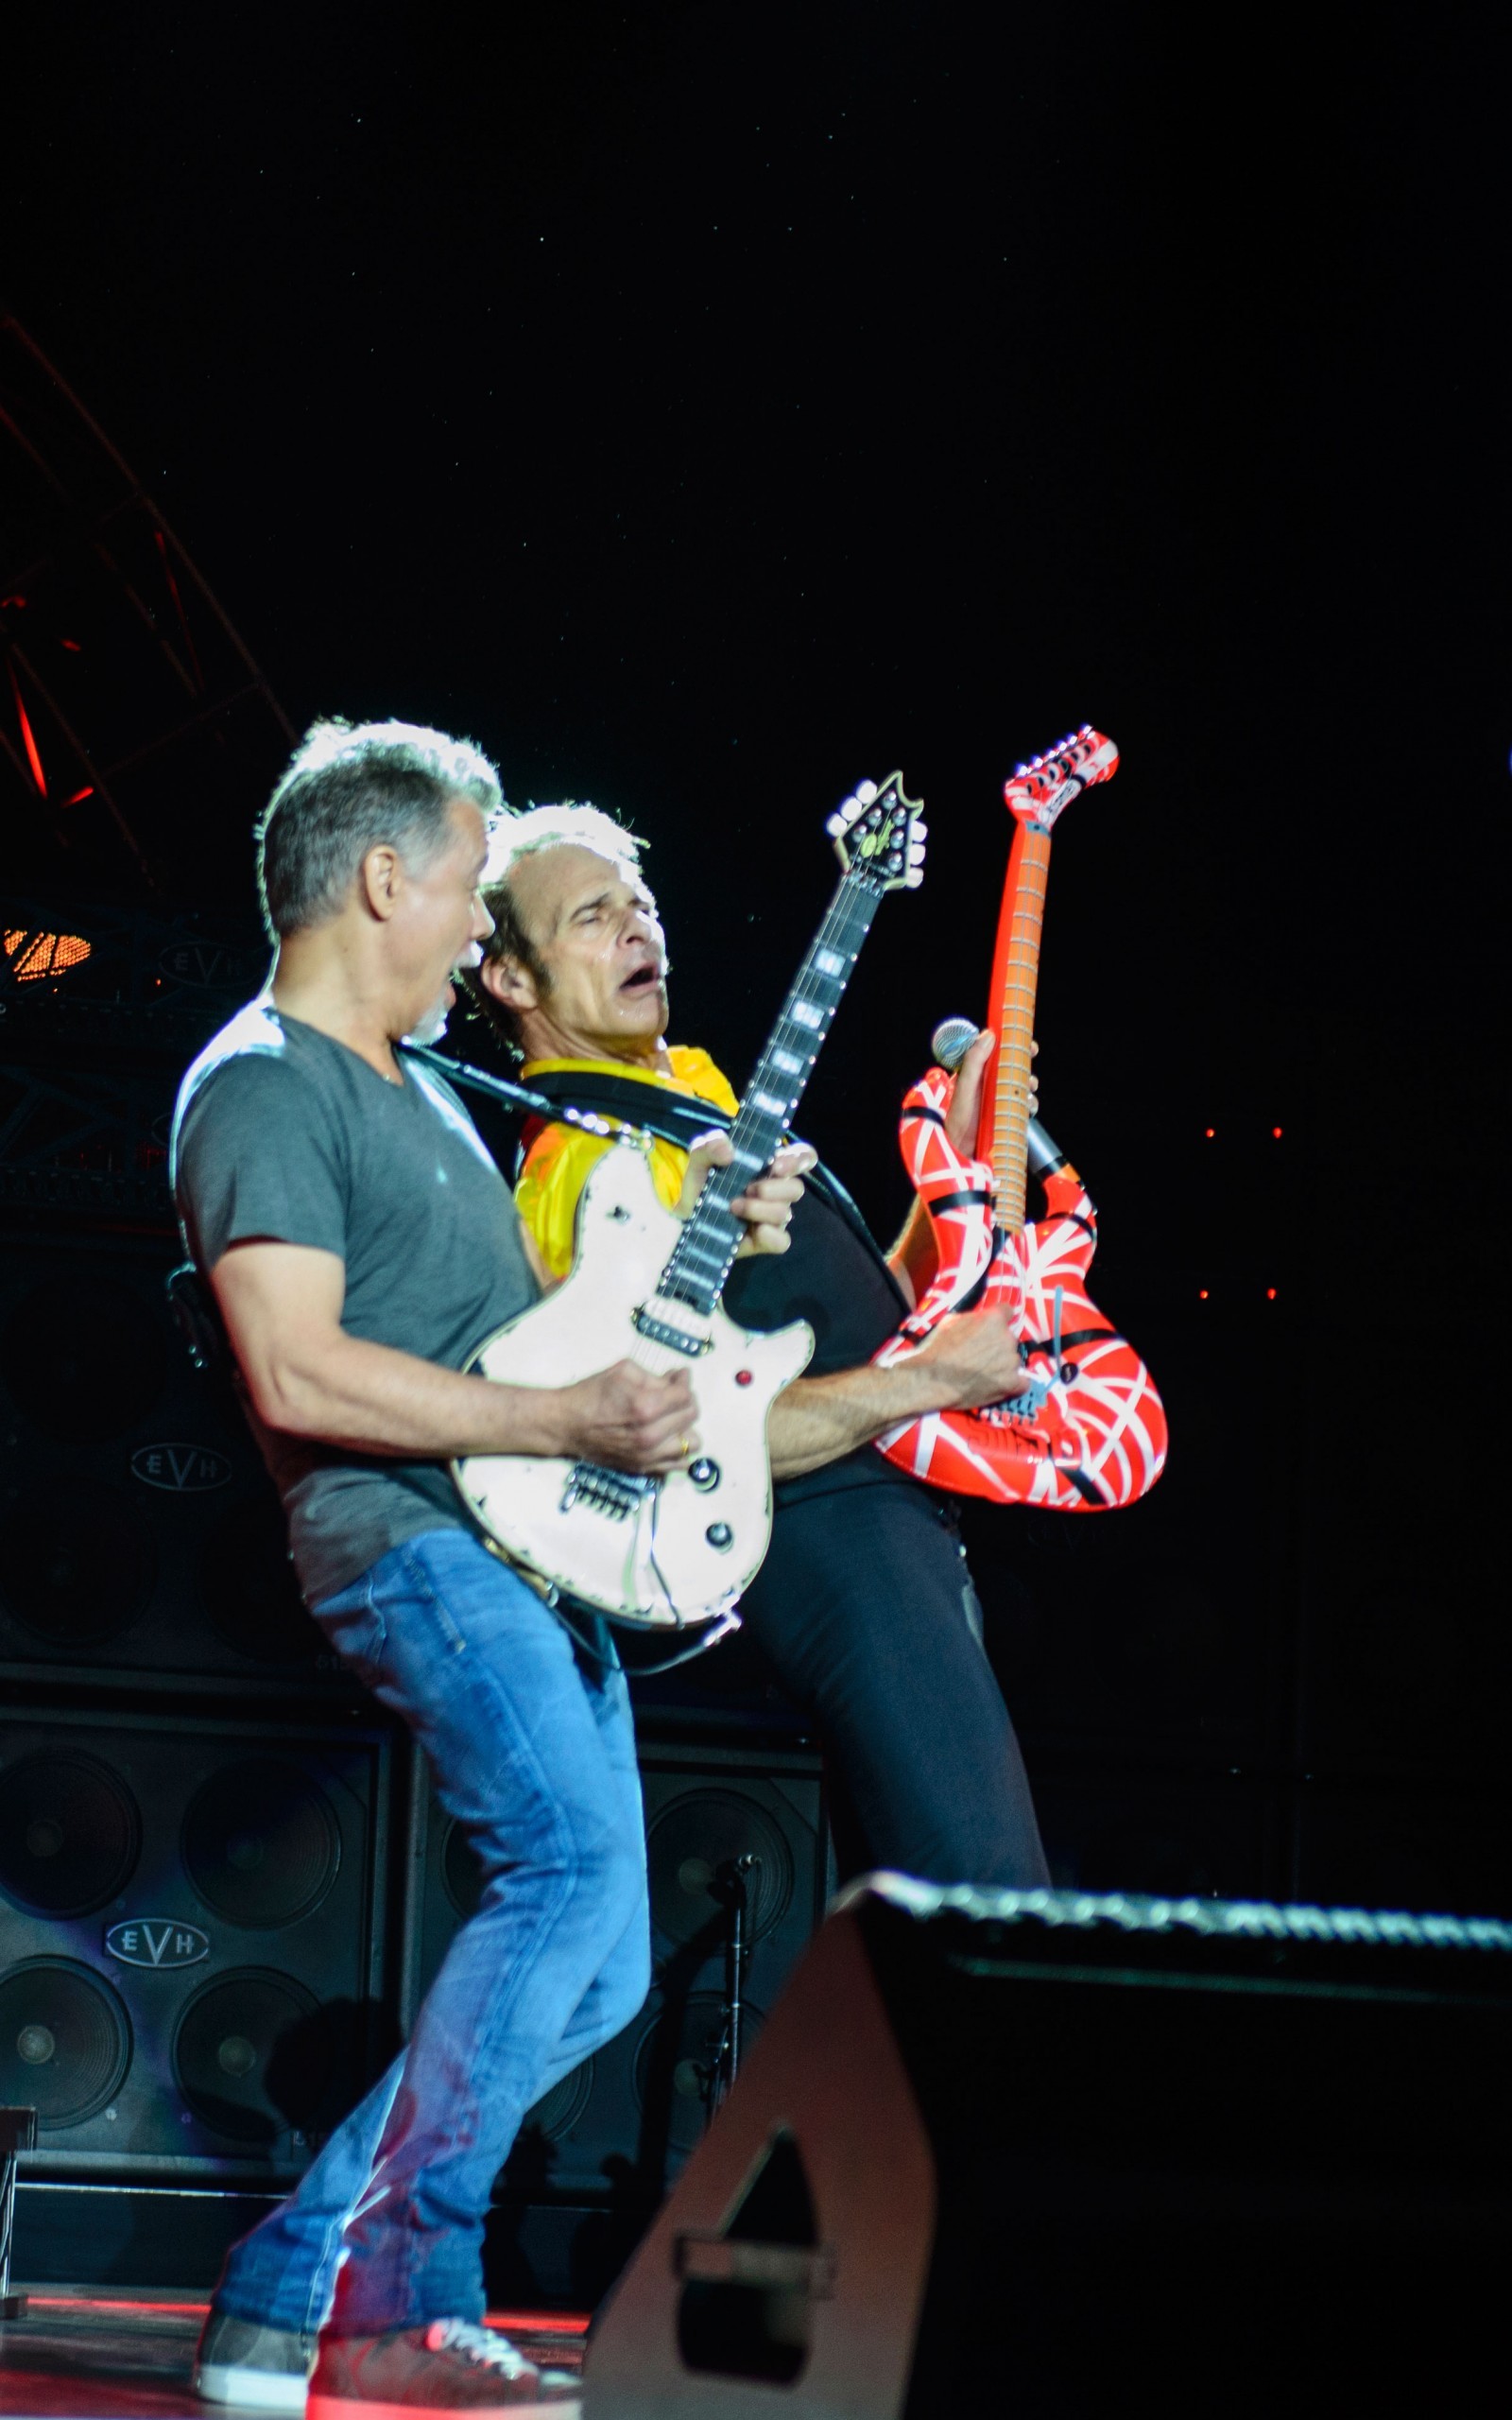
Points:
(1019, 986)
(853, 903)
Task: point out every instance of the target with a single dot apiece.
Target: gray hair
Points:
(352, 787)
(571, 825)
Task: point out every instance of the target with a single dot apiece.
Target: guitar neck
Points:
(1004, 1132)
(706, 1249)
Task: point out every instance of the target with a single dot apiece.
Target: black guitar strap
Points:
(679, 1120)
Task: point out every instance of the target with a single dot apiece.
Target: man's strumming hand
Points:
(627, 1418)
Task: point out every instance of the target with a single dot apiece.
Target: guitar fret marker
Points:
(805, 1014)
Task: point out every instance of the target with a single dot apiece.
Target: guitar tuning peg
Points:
(866, 792)
(920, 828)
(913, 880)
(836, 825)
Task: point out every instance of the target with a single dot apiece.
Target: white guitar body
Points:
(661, 1553)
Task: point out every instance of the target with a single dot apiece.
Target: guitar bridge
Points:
(618, 1495)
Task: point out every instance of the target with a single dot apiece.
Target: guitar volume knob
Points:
(704, 1474)
(720, 1535)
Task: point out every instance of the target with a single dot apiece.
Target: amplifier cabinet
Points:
(192, 1952)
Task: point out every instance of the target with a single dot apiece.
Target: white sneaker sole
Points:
(238, 2390)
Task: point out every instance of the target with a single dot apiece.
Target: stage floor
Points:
(86, 2354)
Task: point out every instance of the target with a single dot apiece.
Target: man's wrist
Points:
(913, 1389)
(526, 1420)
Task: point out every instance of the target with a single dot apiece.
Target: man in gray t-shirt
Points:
(285, 1131)
(360, 1245)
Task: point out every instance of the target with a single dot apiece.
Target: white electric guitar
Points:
(644, 1285)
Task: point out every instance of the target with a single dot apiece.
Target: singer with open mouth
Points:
(864, 1604)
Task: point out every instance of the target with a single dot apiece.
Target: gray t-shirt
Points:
(284, 1134)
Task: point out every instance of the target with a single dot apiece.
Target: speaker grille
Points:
(83, 1362)
(248, 1588)
(686, 1844)
(557, 2112)
(70, 1833)
(254, 2055)
(673, 2062)
(65, 2040)
(77, 1563)
(260, 1843)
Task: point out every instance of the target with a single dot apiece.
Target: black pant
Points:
(866, 1607)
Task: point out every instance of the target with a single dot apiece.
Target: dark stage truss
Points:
(135, 726)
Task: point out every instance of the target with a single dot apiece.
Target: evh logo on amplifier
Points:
(183, 1470)
(157, 1941)
(210, 964)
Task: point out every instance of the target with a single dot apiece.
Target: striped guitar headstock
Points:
(1043, 788)
(877, 836)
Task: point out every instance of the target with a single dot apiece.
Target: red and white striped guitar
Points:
(1089, 1432)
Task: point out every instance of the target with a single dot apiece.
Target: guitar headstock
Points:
(877, 836)
(1039, 791)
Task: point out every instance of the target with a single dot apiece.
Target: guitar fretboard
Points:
(706, 1249)
(1015, 982)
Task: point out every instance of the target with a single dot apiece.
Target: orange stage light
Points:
(35, 956)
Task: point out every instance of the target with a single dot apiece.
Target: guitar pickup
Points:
(662, 1332)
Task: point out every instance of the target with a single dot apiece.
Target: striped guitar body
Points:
(1090, 1433)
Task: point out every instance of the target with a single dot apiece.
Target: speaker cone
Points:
(557, 2112)
(254, 2054)
(261, 1842)
(675, 2057)
(70, 1833)
(65, 2040)
(250, 1595)
(77, 1563)
(685, 1846)
(83, 1361)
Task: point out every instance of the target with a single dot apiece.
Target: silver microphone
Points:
(951, 1041)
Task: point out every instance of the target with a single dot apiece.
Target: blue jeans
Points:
(532, 1750)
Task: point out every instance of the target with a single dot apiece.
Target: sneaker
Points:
(247, 2367)
(449, 2367)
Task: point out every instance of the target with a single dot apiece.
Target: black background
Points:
(704, 408)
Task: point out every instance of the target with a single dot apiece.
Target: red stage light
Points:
(1275, 1133)
(1270, 1293)
(30, 743)
(109, 2302)
(1202, 1293)
(1207, 1132)
(538, 2323)
(88, 792)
